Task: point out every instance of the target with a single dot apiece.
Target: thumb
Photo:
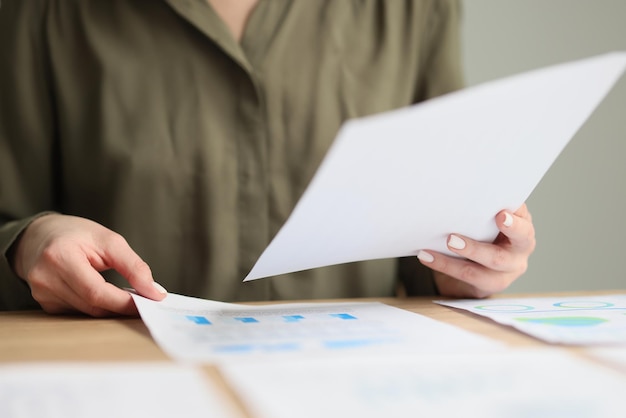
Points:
(121, 257)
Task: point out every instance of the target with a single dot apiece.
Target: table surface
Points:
(34, 336)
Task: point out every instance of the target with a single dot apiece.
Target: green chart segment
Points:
(566, 321)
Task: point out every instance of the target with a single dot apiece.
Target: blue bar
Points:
(235, 348)
(246, 320)
(293, 318)
(200, 320)
(342, 316)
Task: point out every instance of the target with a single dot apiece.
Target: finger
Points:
(492, 256)
(121, 257)
(50, 303)
(523, 212)
(88, 307)
(56, 297)
(517, 231)
(483, 280)
(93, 292)
(451, 287)
(75, 305)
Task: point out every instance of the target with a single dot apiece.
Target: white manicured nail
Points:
(456, 242)
(160, 288)
(508, 219)
(425, 257)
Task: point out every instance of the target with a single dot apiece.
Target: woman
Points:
(171, 139)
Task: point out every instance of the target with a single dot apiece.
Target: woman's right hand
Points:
(61, 257)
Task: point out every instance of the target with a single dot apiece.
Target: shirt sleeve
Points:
(26, 136)
(441, 73)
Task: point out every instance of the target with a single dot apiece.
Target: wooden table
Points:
(36, 336)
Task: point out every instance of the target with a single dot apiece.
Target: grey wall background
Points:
(579, 208)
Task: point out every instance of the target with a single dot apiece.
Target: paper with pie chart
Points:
(586, 320)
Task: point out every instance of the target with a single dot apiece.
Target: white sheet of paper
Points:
(513, 384)
(580, 320)
(395, 183)
(614, 356)
(106, 390)
(197, 330)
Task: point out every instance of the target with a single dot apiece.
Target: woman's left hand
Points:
(485, 269)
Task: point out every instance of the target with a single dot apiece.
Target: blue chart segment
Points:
(584, 304)
(247, 320)
(341, 344)
(249, 348)
(199, 320)
(293, 318)
(343, 316)
(566, 321)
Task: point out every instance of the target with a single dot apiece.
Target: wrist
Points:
(18, 249)
(11, 255)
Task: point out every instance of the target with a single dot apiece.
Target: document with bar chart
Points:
(580, 320)
(197, 330)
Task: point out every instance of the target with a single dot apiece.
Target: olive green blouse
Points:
(149, 118)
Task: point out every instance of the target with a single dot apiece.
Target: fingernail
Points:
(456, 242)
(425, 257)
(160, 288)
(508, 219)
